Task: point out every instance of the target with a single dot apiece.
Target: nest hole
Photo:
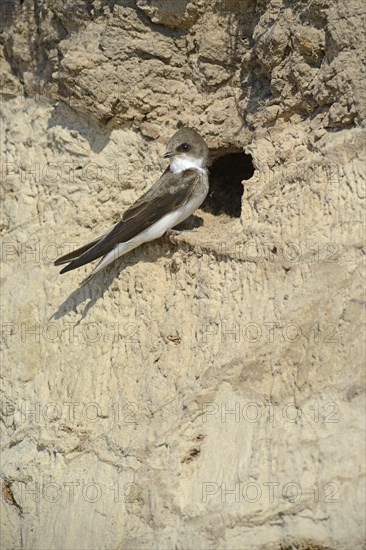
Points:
(227, 172)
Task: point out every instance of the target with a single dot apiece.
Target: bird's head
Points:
(186, 149)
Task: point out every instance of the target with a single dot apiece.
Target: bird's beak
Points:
(168, 155)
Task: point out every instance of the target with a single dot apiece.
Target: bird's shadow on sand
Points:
(96, 288)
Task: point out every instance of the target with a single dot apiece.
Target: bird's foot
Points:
(172, 234)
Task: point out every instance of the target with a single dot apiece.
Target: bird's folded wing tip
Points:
(63, 260)
(65, 269)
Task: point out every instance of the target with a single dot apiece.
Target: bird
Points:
(179, 191)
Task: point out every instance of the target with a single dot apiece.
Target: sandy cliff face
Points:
(209, 393)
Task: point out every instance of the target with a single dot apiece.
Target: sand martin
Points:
(179, 191)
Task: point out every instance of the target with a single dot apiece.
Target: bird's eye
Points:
(185, 147)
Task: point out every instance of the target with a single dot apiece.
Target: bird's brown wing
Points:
(169, 193)
(151, 193)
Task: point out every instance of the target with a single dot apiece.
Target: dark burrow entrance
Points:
(226, 174)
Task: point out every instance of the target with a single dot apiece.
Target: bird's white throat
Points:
(178, 164)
